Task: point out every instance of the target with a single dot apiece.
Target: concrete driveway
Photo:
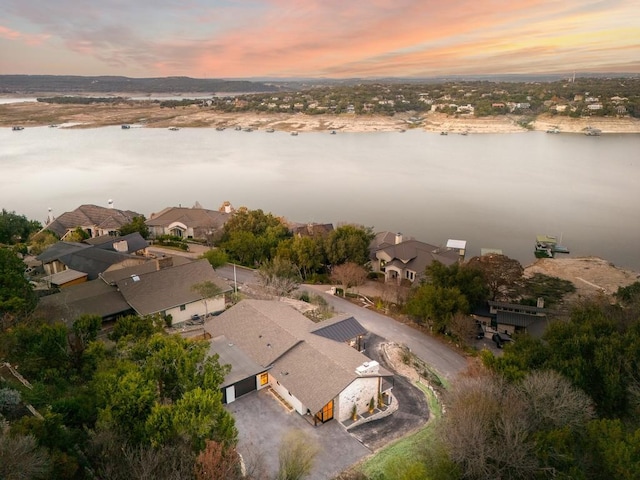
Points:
(262, 422)
(446, 361)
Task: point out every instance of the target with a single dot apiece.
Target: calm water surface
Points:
(495, 191)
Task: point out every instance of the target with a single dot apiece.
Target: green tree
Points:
(16, 228)
(216, 257)
(137, 224)
(349, 243)
(207, 290)
(435, 306)
(470, 281)
(16, 295)
(40, 241)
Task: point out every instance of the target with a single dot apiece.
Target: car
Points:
(195, 320)
(479, 331)
(501, 338)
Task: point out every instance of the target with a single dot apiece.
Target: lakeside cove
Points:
(152, 115)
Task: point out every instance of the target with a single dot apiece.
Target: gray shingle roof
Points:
(94, 298)
(516, 319)
(113, 275)
(416, 255)
(241, 365)
(315, 369)
(160, 290)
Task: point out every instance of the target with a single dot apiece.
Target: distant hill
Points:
(110, 84)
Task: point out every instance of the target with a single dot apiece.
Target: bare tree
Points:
(501, 273)
(553, 402)
(20, 457)
(463, 327)
(279, 276)
(349, 274)
(296, 455)
(218, 462)
(490, 427)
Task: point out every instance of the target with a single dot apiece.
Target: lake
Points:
(495, 191)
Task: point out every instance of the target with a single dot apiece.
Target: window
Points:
(410, 275)
(183, 308)
(264, 379)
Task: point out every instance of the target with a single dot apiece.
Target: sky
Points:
(318, 38)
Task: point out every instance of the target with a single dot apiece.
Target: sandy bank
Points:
(32, 114)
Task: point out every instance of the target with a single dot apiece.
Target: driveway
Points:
(262, 422)
(443, 359)
(412, 412)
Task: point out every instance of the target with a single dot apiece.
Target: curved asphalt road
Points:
(444, 360)
(412, 412)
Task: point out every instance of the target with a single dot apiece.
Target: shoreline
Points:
(33, 114)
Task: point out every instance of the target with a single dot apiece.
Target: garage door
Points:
(245, 386)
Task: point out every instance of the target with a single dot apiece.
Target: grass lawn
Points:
(409, 448)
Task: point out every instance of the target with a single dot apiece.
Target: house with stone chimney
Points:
(405, 259)
(310, 367)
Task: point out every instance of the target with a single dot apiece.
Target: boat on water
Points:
(125, 127)
(220, 129)
(270, 130)
(174, 129)
(553, 130)
(333, 132)
(465, 132)
(53, 125)
(444, 133)
(238, 128)
(547, 246)
(16, 128)
(248, 129)
(295, 134)
(592, 132)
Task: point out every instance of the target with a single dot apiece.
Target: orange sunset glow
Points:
(318, 38)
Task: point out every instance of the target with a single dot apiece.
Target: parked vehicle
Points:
(196, 320)
(501, 339)
(479, 331)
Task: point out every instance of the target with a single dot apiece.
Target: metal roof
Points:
(341, 331)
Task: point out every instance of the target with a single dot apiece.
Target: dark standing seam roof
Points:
(59, 249)
(92, 260)
(134, 241)
(342, 331)
(516, 319)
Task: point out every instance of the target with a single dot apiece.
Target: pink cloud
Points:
(29, 39)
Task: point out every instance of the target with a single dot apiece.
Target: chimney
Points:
(164, 262)
(398, 238)
(540, 303)
(110, 202)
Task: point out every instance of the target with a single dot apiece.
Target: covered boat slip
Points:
(547, 246)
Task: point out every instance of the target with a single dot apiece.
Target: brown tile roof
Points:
(156, 291)
(313, 368)
(91, 215)
(191, 217)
